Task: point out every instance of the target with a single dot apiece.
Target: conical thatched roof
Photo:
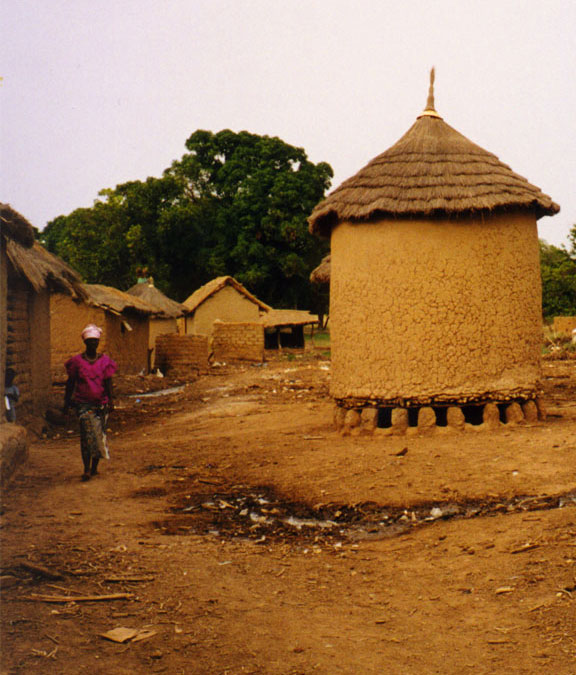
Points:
(431, 170)
(204, 292)
(14, 227)
(321, 274)
(170, 309)
(43, 269)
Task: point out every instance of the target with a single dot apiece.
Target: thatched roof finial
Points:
(430, 110)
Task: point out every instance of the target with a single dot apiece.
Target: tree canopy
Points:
(235, 203)
(558, 267)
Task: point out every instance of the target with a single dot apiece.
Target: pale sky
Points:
(99, 92)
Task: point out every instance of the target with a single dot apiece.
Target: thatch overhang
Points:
(14, 227)
(118, 302)
(277, 318)
(321, 274)
(433, 170)
(204, 292)
(169, 309)
(44, 270)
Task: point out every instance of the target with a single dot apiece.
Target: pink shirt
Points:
(90, 378)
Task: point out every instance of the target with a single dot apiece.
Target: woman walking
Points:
(89, 390)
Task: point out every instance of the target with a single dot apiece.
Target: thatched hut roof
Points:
(169, 309)
(43, 269)
(321, 274)
(287, 317)
(204, 292)
(431, 170)
(118, 302)
(14, 227)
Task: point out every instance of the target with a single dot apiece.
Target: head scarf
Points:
(91, 331)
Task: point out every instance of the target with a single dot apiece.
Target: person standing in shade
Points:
(89, 391)
(11, 394)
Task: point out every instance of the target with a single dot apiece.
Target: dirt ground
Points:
(244, 535)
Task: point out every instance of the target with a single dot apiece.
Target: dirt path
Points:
(253, 539)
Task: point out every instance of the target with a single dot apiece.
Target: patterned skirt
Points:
(93, 420)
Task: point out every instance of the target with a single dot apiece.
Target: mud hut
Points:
(29, 276)
(166, 321)
(435, 283)
(321, 275)
(124, 319)
(223, 299)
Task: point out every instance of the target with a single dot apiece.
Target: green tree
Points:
(92, 241)
(235, 203)
(558, 268)
(256, 192)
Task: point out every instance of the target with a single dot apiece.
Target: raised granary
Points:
(435, 292)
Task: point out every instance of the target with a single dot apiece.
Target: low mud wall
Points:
(182, 354)
(238, 341)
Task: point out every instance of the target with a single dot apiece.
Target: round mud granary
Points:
(435, 292)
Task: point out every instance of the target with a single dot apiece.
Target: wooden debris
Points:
(144, 634)
(504, 589)
(120, 634)
(66, 590)
(42, 571)
(500, 641)
(525, 547)
(115, 580)
(80, 598)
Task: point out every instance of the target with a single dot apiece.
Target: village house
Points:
(223, 299)
(435, 291)
(163, 323)
(28, 276)
(124, 319)
(225, 322)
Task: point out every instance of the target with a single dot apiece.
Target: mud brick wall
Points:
(19, 344)
(182, 354)
(238, 341)
(564, 324)
(28, 345)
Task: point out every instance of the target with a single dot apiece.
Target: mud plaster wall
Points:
(227, 304)
(28, 344)
(238, 341)
(182, 354)
(67, 320)
(436, 310)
